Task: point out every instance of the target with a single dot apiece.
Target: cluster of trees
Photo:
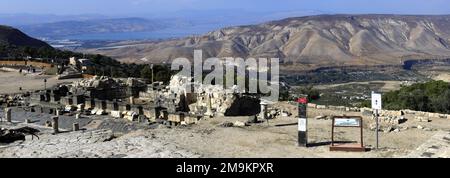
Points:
(103, 65)
(160, 72)
(433, 96)
(19, 52)
(313, 94)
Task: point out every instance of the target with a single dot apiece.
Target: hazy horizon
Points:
(167, 7)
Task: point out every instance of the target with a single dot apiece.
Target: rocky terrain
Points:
(230, 137)
(309, 42)
(97, 143)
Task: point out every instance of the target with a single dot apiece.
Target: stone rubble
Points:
(423, 119)
(239, 124)
(226, 124)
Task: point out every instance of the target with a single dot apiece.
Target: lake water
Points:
(153, 35)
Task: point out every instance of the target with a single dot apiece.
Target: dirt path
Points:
(388, 85)
(443, 76)
(11, 81)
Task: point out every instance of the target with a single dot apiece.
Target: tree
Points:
(432, 96)
(146, 72)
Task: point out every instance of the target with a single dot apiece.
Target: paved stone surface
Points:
(438, 146)
(64, 122)
(98, 143)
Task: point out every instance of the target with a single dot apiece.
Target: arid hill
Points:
(11, 36)
(310, 42)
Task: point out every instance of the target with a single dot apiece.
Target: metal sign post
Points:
(377, 128)
(302, 122)
(376, 105)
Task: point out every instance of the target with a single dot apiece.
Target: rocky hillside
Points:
(304, 43)
(12, 37)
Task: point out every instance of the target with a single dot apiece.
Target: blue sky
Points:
(122, 7)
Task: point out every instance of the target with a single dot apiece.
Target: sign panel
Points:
(302, 124)
(376, 100)
(347, 122)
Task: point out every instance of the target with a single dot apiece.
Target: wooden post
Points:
(332, 132)
(362, 137)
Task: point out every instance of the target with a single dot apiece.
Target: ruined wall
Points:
(106, 88)
(244, 106)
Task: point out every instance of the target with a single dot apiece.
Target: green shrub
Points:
(433, 96)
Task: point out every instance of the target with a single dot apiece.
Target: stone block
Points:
(75, 127)
(116, 114)
(8, 114)
(311, 105)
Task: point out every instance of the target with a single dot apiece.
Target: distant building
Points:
(81, 64)
(74, 61)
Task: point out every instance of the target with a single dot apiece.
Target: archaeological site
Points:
(217, 85)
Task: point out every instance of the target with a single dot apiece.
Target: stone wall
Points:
(381, 112)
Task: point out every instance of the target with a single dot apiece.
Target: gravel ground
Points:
(11, 81)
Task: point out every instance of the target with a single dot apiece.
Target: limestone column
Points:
(8, 114)
(208, 106)
(131, 100)
(81, 107)
(263, 113)
(55, 124)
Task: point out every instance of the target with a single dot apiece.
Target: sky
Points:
(130, 7)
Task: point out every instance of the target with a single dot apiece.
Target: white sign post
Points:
(376, 105)
(376, 100)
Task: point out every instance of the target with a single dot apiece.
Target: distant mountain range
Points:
(301, 43)
(10, 36)
(117, 25)
(139, 26)
(304, 43)
(23, 19)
